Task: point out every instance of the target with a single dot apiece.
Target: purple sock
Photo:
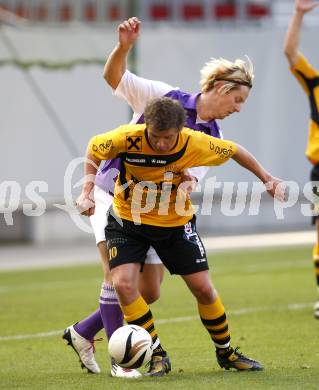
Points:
(90, 326)
(110, 309)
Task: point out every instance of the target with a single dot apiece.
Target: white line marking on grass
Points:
(31, 336)
(239, 312)
(251, 268)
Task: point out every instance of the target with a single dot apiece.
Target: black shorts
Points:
(180, 248)
(314, 177)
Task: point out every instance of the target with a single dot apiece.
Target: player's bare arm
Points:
(305, 6)
(191, 181)
(85, 202)
(291, 46)
(248, 161)
(128, 32)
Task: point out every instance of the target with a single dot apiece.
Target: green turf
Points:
(284, 338)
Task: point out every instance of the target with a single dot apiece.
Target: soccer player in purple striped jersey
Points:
(225, 86)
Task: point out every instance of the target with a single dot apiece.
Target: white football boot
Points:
(84, 349)
(121, 372)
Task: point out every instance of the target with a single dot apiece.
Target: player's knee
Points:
(124, 287)
(203, 292)
(151, 296)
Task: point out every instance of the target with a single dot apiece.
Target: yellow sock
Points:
(315, 257)
(315, 252)
(214, 319)
(139, 313)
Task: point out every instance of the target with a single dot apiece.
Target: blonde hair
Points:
(233, 73)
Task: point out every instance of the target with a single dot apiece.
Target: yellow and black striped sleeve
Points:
(306, 74)
(108, 145)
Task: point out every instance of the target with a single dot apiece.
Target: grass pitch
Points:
(268, 295)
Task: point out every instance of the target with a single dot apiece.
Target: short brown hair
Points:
(165, 113)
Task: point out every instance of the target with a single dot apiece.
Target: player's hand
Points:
(128, 32)
(276, 188)
(85, 204)
(305, 5)
(189, 181)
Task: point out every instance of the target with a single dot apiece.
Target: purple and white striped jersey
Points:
(137, 92)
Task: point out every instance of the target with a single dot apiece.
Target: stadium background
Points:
(53, 97)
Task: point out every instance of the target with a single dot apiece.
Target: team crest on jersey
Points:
(134, 144)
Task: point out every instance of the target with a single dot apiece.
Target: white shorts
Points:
(103, 202)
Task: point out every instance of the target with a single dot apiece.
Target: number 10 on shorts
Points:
(112, 252)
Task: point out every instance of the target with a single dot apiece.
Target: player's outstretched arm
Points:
(115, 65)
(291, 46)
(248, 161)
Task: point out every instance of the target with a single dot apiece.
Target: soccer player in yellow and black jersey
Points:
(157, 190)
(308, 77)
(150, 209)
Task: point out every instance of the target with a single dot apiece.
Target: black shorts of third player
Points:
(179, 248)
(314, 177)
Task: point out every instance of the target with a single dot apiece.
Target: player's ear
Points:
(218, 86)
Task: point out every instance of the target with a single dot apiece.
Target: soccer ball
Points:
(131, 346)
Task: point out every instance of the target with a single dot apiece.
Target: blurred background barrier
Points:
(155, 11)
